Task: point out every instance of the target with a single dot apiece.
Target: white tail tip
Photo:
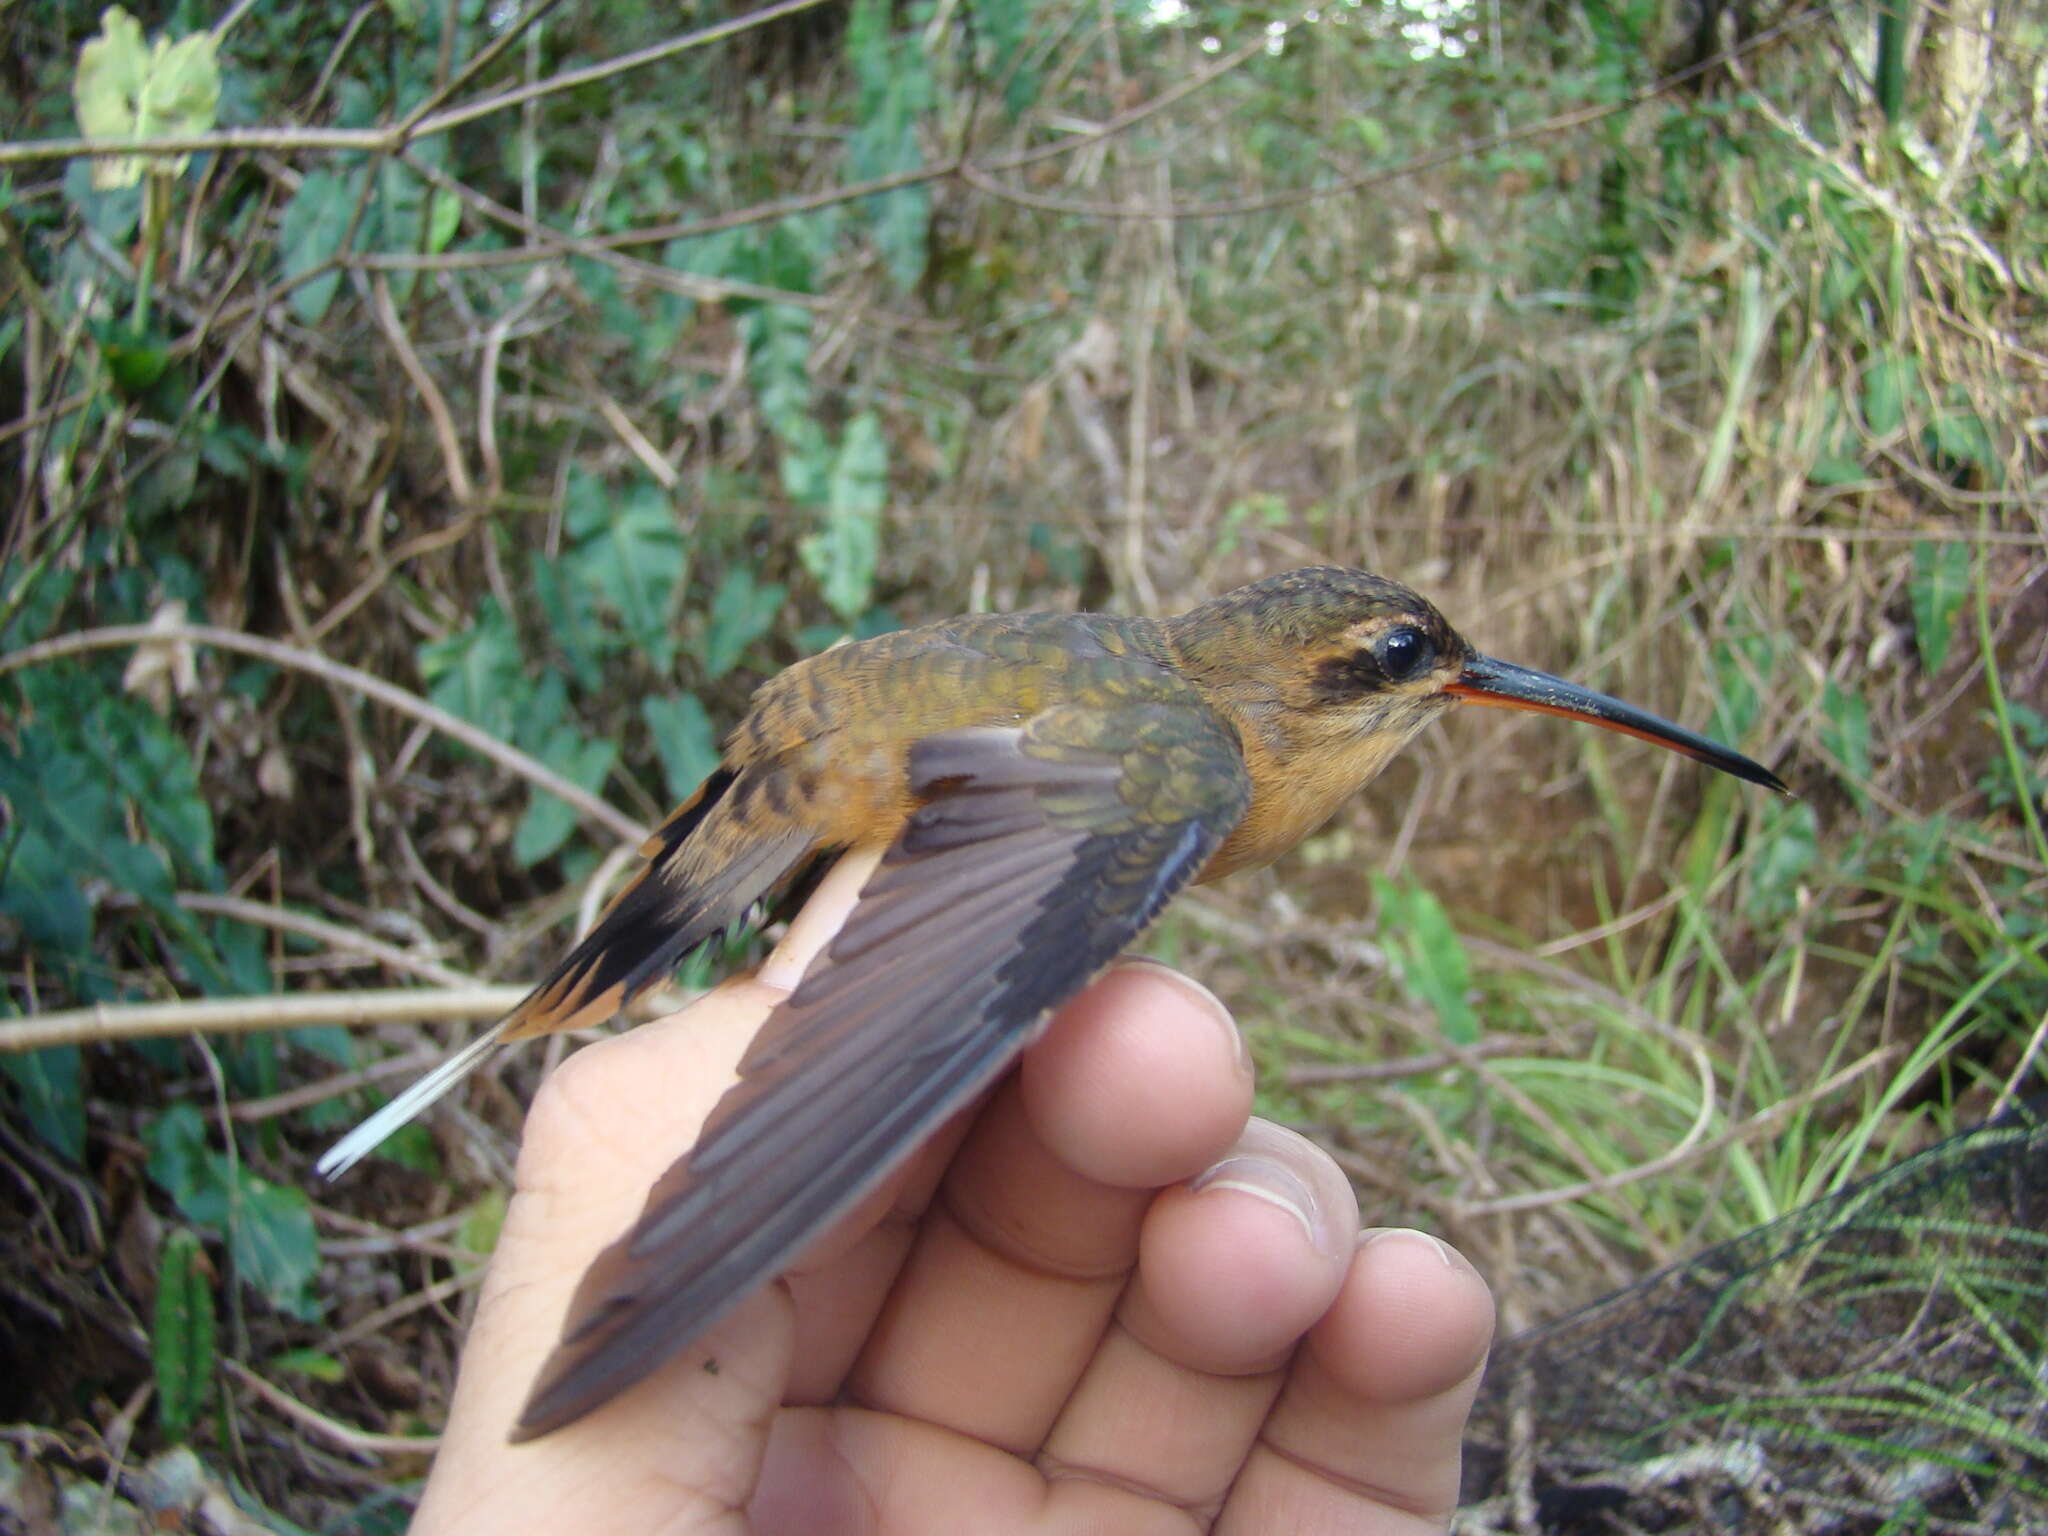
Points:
(365, 1138)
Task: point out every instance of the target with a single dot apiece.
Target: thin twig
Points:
(1678, 1156)
(391, 695)
(247, 1015)
(349, 1438)
(442, 419)
(263, 914)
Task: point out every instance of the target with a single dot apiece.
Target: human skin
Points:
(1103, 1299)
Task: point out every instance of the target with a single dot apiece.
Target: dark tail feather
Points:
(645, 932)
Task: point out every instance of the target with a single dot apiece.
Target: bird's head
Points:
(1329, 659)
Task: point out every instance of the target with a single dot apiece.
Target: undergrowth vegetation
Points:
(421, 448)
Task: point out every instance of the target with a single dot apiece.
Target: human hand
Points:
(1100, 1300)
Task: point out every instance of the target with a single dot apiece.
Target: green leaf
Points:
(843, 554)
(1845, 732)
(412, 1146)
(1786, 847)
(806, 463)
(135, 359)
(269, 1226)
(73, 782)
(1836, 469)
(1892, 392)
(1940, 585)
(1961, 437)
(310, 234)
(1005, 27)
(402, 205)
(444, 218)
(178, 1158)
(895, 88)
(778, 341)
(313, 1364)
(683, 736)
(153, 767)
(742, 612)
(549, 821)
(50, 1087)
(477, 672)
(182, 1340)
(1740, 658)
(481, 1224)
(629, 550)
(570, 607)
(1428, 956)
(124, 89)
(270, 1233)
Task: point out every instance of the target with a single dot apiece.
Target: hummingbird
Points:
(1040, 785)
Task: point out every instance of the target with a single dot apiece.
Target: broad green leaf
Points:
(570, 606)
(683, 736)
(178, 1158)
(895, 89)
(742, 612)
(629, 549)
(549, 821)
(1891, 394)
(806, 463)
(842, 555)
(1940, 585)
(778, 341)
(182, 1340)
(50, 1089)
(545, 708)
(310, 234)
(275, 1247)
(73, 782)
(269, 1226)
(477, 672)
(126, 89)
(147, 762)
(1962, 437)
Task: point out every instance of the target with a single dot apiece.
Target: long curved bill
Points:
(1502, 683)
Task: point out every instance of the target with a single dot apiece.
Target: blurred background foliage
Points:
(565, 371)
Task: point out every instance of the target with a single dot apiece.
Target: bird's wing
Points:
(1036, 856)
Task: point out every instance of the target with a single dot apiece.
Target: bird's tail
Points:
(673, 905)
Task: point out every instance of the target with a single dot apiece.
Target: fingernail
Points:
(1267, 1179)
(1373, 1235)
(1201, 994)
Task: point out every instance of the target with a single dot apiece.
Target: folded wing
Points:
(1037, 855)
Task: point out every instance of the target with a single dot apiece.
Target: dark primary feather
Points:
(668, 910)
(1040, 854)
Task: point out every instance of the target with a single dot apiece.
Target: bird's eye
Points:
(1403, 653)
